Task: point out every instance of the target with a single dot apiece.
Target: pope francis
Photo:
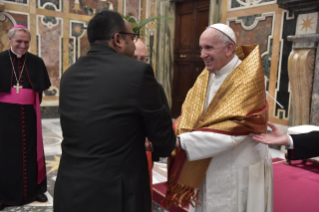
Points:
(218, 167)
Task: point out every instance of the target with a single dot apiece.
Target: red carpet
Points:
(296, 187)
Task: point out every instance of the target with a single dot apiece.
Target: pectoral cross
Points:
(18, 86)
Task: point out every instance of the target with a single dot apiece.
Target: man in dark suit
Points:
(109, 103)
(140, 54)
(305, 145)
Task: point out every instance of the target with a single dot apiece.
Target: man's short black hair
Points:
(104, 25)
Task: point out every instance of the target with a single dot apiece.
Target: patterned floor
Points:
(52, 136)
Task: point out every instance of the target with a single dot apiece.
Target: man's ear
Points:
(118, 41)
(230, 48)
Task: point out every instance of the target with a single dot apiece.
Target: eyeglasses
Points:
(128, 33)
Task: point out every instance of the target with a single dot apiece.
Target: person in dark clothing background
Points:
(140, 54)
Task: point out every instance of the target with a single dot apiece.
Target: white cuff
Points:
(291, 143)
(181, 144)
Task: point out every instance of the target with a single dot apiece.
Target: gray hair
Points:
(12, 31)
(225, 40)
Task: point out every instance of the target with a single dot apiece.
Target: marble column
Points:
(303, 71)
(165, 48)
(215, 12)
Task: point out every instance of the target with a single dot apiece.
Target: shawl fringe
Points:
(180, 194)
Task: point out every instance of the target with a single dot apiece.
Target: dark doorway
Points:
(191, 20)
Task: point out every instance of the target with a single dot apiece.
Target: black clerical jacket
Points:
(306, 145)
(34, 67)
(109, 103)
(155, 157)
(18, 132)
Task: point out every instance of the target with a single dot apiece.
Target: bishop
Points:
(23, 78)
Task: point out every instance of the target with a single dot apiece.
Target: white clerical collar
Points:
(229, 67)
(18, 55)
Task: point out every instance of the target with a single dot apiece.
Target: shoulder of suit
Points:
(135, 63)
(4, 59)
(4, 53)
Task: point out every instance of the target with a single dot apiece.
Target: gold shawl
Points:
(238, 108)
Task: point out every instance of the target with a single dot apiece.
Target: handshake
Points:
(149, 146)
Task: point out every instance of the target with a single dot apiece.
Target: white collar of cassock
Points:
(219, 77)
(229, 67)
(18, 55)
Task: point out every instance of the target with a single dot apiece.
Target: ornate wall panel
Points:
(282, 92)
(78, 42)
(244, 4)
(7, 20)
(18, 1)
(256, 29)
(307, 23)
(55, 5)
(263, 22)
(20, 18)
(49, 32)
(58, 30)
(90, 7)
(132, 8)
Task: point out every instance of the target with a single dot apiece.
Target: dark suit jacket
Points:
(306, 145)
(163, 96)
(155, 156)
(109, 103)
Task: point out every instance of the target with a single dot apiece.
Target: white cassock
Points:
(240, 175)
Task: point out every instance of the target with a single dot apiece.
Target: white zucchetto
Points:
(225, 30)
